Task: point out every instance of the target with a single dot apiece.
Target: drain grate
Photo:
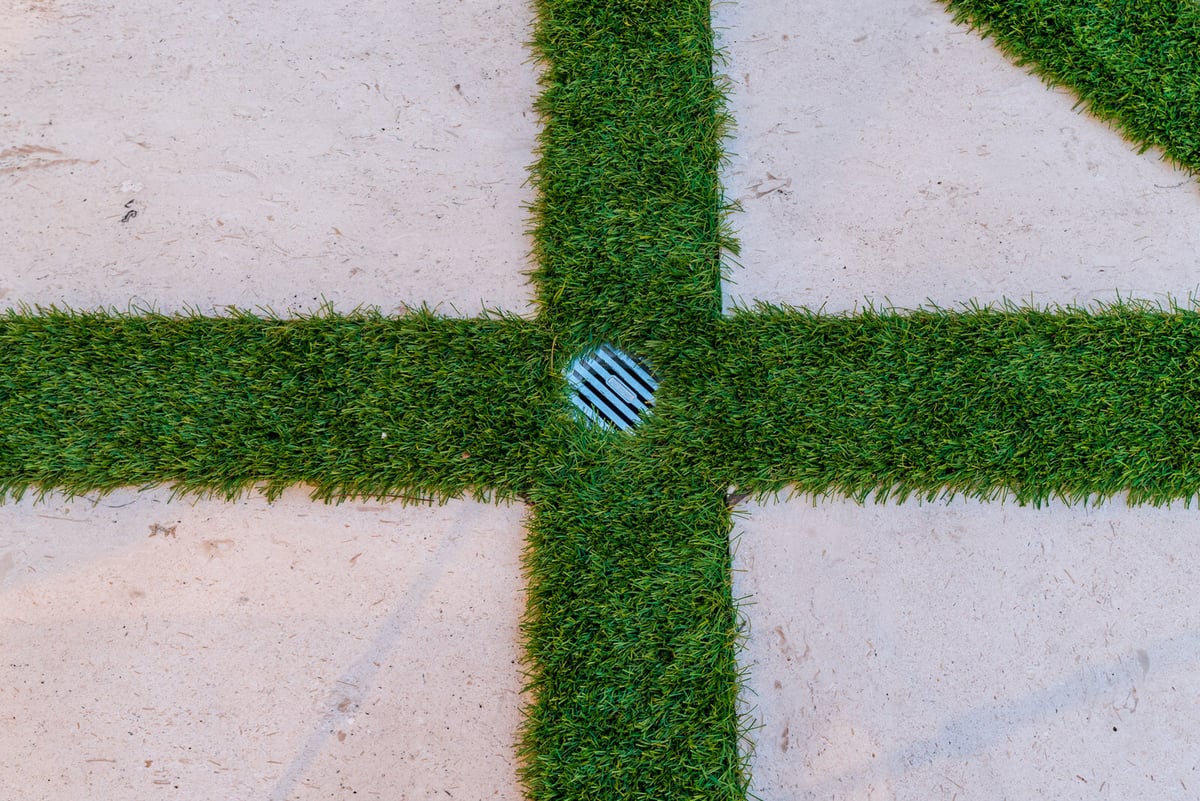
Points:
(611, 388)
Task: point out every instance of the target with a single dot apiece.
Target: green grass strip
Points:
(631, 626)
(631, 631)
(1134, 63)
(1013, 402)
(351, 405)
(628, 216)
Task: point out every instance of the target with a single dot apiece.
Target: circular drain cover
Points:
(611, 388)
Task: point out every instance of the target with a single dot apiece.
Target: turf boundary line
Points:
(1135, 65)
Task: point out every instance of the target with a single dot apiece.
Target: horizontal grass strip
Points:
(1134, 63)
(356, 405)
(986, 402)
(631, 632)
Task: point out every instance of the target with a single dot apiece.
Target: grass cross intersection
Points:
(631, 627)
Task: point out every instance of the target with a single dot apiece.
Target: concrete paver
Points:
(277, 157)
(962, 650)
(291, 650)
(971, 650)
(884, 154)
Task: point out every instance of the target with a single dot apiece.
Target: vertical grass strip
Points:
(631, 632)
(628, 215)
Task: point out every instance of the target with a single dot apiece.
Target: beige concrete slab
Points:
(972, 651)
(275, 154)
(884, 153)
(960, 651)
(206, 650)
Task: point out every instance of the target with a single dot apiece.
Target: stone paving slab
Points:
(258, 651)
(961, 650)
(307, 651)
(971, 651)
(275, 155)
(885, 154)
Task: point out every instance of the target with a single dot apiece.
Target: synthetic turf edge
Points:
(988, 403)
(628, 218)
(631, 631)
(1134, 63)
(360, 405)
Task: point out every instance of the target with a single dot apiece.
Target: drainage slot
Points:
(611, 388)
(625, 392)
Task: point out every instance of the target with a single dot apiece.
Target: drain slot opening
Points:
(611, 388)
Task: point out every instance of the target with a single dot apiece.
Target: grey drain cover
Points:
(611, 388)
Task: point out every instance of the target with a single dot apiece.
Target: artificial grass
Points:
(358, 404)
(1134, 63)
(628, 219)
(630, 628)
(987, 402)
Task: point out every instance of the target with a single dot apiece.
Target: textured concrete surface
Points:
(972, 651)
(885, 154)
(253, 651)
(963, 650)
(277, 155)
